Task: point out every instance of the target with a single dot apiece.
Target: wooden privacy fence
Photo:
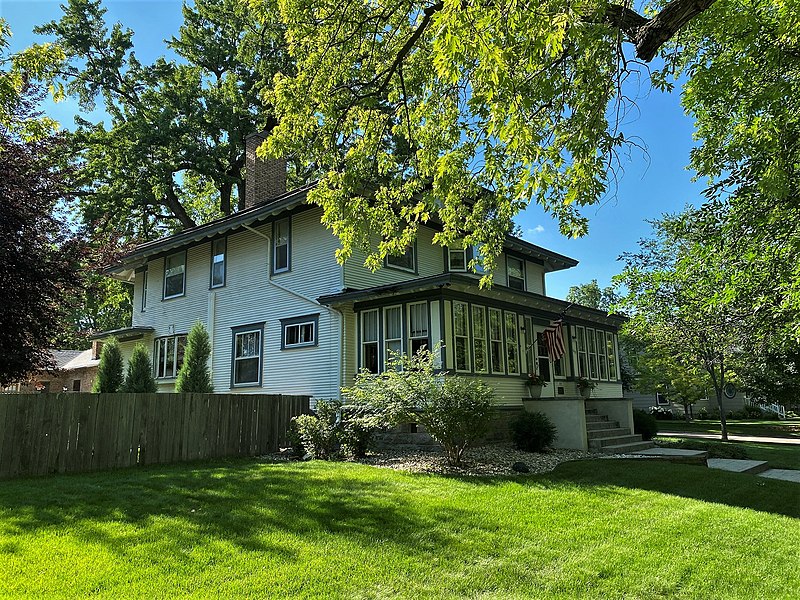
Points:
(65, 433)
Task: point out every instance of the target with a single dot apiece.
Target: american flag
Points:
(555, 340)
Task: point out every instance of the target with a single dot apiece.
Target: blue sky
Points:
(653, 183)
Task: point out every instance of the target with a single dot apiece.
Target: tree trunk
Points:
(225, 198)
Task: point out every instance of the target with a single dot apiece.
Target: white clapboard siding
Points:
(534, 277)
(249, 296)
(430, 261)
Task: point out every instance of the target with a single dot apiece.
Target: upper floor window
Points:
(169, 355)
(515, 268)
(299, 332)
(457, 259)
(218, 260)
(406, 261)
(144, 290)
(175, 275)
(247, 354)
(281, 246)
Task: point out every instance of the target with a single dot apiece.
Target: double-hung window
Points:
(512, 343)
(300, 332)
(543, 357)
(417, 326)
(218, 262)
(247, 354)
(144, 290)
(281, 246)
(457, 259)
(406, 261)
(369, 340)
(601, 355)
(174, 275)
(392, 333)
(582, 358)
(592, 348)
(461, 334)
(479, 339)
(496, 354)
(169, 356)
(611, 353)
(515, 268)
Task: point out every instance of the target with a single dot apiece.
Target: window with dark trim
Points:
(299, 332)
(393, 334)
(406, 261)
(144, 290)
(611, 352)
(479, 339)
(168, 356)
(461, 335)
(457, 260)
(369, 340)
(496, 354)
(281, 246)
(175, 275)
(417, 327)
(218, 262)
(515, 268)
(76, 385)
(512, 343)
(246, 358)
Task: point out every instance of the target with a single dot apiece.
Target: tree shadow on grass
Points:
(236, 502)
(687, 481)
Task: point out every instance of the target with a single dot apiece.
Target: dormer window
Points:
(515, 268)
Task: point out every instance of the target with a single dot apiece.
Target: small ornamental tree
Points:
(109, 372)
(139, 378)
(194, 375)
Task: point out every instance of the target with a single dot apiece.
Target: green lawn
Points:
(788, 428)
(779, 456)
(604, 529)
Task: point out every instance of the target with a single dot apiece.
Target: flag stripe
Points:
(555, 340)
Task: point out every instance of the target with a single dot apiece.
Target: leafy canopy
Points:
(462, 111)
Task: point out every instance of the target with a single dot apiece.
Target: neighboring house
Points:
(74, 371)
(285, 317)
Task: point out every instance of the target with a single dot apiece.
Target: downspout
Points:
(331, 310)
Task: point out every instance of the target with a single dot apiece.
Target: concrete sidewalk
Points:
(731, 437)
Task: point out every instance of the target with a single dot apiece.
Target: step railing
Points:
(772, 407)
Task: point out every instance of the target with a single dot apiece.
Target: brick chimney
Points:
(97, 347)
(265, 179)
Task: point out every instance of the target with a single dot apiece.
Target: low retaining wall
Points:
(569, 417)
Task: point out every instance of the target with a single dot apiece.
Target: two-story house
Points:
(285, 317)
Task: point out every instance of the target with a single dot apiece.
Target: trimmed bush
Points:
(109, 372)
(644, 424)
(194, 375)
(532, 432)
(139, 377)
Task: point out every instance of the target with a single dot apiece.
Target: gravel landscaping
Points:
(495, 459)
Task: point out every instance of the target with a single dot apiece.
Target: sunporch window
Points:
(169, 356)
(417, 327)
(393, 333)
(461, 335)
(496, 354)
(512, 343)
(479, 339)
(369, 340)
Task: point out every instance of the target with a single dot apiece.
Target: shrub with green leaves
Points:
(334, 428)
(139, 377)
(532, 432)
(194, 375)
(644, 424)
(455, 411)
(109, 371)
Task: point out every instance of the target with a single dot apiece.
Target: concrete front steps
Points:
(607, 436)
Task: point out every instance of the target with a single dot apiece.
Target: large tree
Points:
(173, 153)
(679, 304)
(591, 295)
(39, 255)
(460, 110)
